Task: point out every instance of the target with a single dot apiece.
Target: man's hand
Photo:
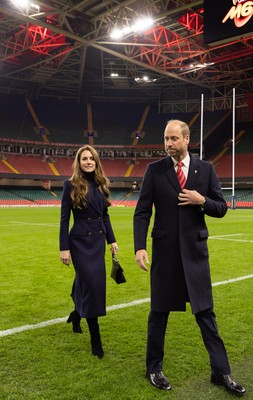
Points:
(191, 197)
(65, 257)
(141, 257)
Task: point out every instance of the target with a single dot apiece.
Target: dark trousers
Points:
(157, 323)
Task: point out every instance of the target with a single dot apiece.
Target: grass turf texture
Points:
(53, 363)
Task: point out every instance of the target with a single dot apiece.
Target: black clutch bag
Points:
(117, 273)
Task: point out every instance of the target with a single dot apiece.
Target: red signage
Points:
(227, 19)
(241, 12)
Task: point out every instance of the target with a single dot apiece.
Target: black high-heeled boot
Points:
(75, 318)
(95, 338)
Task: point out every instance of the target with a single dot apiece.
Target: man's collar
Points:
(185, 161)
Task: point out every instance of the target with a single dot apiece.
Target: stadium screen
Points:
(227, 19)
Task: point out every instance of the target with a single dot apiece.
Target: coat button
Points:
(89, 233)
(89, 219)
(101, 232)
(99, 218)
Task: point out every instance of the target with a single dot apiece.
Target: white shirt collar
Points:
(185, 161)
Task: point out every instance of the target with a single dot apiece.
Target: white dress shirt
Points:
(185, 166)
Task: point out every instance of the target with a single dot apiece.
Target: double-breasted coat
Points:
(180, 269)
(86, 240)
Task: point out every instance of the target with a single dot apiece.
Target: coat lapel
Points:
(171, 174)
(96, 200)
(193, 172)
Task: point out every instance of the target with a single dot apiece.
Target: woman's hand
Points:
(114, 248)
(65, 257)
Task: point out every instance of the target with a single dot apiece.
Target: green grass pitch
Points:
(53, 363)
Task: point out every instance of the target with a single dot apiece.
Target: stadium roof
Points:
(63, 49)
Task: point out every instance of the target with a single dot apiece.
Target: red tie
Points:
(180, 174)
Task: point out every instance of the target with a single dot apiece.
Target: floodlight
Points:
(25, 5)
(20, 3)
(126, 30)
(142, 24)
(116, 34)
(35, 6)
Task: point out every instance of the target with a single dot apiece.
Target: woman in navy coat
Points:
(86, 196)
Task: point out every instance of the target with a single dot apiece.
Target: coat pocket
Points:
(78, 231)
(203, 234)
(158, 234)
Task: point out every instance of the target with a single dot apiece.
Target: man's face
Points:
(176, 145)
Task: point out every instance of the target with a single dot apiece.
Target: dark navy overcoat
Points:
(86, 241)
(180, 269)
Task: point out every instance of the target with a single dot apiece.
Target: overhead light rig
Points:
(140, 25)
(26, 6)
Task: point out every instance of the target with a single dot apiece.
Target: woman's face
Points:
(87, 162)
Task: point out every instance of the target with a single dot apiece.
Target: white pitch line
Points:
(33, 223)
(241, 278)
(23, 328)
(124, 305)
(227, 238)
(232, 240)
(229, 234)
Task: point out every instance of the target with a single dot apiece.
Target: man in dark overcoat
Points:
(180, 269)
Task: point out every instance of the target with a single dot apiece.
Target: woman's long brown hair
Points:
(80, 186)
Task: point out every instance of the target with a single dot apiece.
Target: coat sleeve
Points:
(215, 205)
(143, 211)
(66, 206)
(110, 238)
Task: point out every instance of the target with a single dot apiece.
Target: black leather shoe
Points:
(75, 318)
(229, 384)
(159, 380)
